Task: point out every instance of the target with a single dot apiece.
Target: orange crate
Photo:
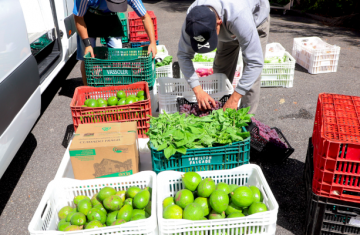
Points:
(138, 111)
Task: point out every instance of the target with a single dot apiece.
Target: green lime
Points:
(130, 100)
(137, 99)
(92, 104)
(140, 93)
(112, 100)
(141, 98)
(133, 96)
(121, 102)
(102, 105)
(87, 101)
(121, 94)
(101, 100)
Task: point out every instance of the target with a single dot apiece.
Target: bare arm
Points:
(149, 28)
(83, 33)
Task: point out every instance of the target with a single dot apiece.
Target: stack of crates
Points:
(332, 169)
(137, 34)
(124, 24)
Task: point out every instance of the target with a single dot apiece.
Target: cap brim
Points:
(209, 46)
(121, 7)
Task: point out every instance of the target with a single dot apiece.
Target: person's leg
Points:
(226, 58)
(252, 97)
(80, 55)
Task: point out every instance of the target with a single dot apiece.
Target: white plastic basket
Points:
(170, 182)
(274, 49)
(216, 85)
(164, 71)
(315, 55)
(279, 74)
(61, 192)
(162, 52)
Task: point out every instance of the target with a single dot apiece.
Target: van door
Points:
(20, 97)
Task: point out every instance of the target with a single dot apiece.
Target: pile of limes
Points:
(120, 99)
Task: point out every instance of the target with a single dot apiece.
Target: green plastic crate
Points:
(123, 20)
(112, 67)
(204, 159)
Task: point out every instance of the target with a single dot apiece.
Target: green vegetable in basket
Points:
(201, 58)
(166, 61)
(175, 133)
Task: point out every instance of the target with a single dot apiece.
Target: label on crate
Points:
(202, 160)
(355, 221)
(116, 72)
(325, 63)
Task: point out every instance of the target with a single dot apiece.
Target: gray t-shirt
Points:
(240, 20)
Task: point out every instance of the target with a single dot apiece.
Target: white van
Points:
(37, 37)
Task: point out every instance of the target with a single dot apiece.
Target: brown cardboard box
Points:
(104, 154)
(107, 127)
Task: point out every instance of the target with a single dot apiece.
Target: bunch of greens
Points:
(177, 133)
(201, 58)
(275, 59)
(166, 61)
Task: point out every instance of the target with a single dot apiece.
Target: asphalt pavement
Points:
(290, 109)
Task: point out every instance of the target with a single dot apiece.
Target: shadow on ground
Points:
(286, 183)
(13, 173)
(172, 5)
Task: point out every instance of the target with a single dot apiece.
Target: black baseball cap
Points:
(117, 5)
(201, 27)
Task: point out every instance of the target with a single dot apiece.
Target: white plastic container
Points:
(274, 49)
(315, 55)
(162, 52)
(279, 74)
(164, 71)
(170, 182)
(216, 85)
(61, 192)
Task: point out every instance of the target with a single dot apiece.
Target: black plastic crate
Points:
(265, 150)
(327, 216)
(182, 101)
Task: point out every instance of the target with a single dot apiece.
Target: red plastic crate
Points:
(336, 140)
(138, 111)
(137, 31)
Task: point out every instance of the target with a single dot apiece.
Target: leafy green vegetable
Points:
(166, 61)
(177, 133)
(275, 59)
(201, 58)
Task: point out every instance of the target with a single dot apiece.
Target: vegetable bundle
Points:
(166, 61)
(177, 133)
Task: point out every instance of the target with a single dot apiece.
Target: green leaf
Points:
(169, 151)
(178, 135)
(181, 150)
(162, 146)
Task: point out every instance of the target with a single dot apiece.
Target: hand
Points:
(89, 49)
(233, 101)
(152, 48)
(203, 98)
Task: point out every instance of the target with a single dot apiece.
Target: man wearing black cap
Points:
(96, 18)
(228, 25)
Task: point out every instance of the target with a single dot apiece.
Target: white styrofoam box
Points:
(61, 192)
(315, 55)
(274, 49)
(216, 85)
(164, 71)
(170, 182)
(162, 52)
(279, 74)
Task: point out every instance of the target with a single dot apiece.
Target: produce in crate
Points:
(218, 199)
(186, 108)
(179, 132)
(118, 100)
(166, 61)
(201, 58)
(269, 134)
(204, 72)
(106, 208)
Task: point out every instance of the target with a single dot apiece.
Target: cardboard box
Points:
(107, 127)
(104, 154)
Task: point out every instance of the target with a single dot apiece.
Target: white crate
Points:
(315, 55)
(61, 192)
(162, 52)
(216, 85)
(274, 49)
(170, 182)
(279, 74)
(164, 71)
